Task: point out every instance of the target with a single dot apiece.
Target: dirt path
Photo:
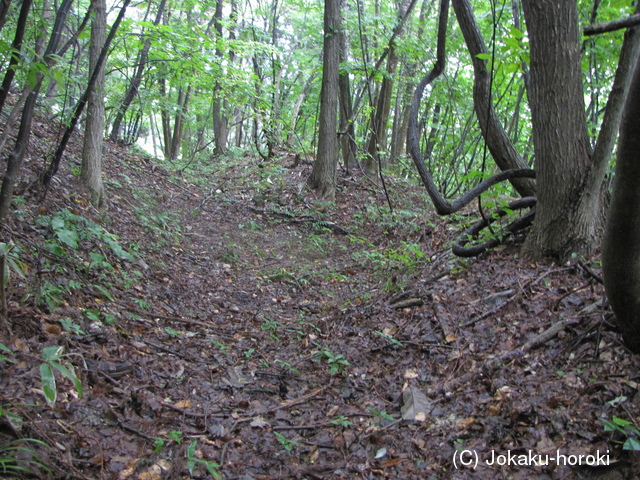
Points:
(265, 335)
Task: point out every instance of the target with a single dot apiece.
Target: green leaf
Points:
(68, 237)
(14, 420)
(484, 56)
(621, 422)
(70, 374)
(51, 354)
(515, 33)
(104, 292)
(631, 444)
(48, 381)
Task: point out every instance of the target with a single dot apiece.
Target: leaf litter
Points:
(266, 334)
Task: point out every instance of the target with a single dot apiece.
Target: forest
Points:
(322, 239)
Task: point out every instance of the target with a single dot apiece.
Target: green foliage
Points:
(624, 428)
(69, 326)
(287, 444)
(337, 363)
(342, 421)
(12, 262)
(54, 361)
(408, 257)
(193, 460)
(4, 349)
(19, 457)
(381, 414)
(389, 339)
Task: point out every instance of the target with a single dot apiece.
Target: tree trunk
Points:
(134, 85)
(14, 160)
(50, 172)
(178, 125)
(17, 47)
(380, 118)
(502, 150)
(220, 118)
(567, 214)
(347, 128)
(621, 243)
(296, 109)
(91, 174)
(323, 176)
(4, 9)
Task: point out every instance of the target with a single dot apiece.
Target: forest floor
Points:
(226, 324)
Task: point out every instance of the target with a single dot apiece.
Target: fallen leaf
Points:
(183, 404)
(259, 422)
(415, 405)
(236, 378)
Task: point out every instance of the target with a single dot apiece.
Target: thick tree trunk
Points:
(91, 174)
(178, 124)
(621, 243)
(323, 176)
(567, 214)
(4, 9)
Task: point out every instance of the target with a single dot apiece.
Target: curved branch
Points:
(442, 206)
(461, 250)
(502, 149)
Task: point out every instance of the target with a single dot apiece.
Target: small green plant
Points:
(288, 366)
(19, 457)
(272, 326)
(389, 339)
(54, 360)
(249, 352)
(141, 303)
(176, 436)
(172, 332)
(193, 460)
(69, 326)
(158, 444)
(5, 349)
(382, 415)
(49, 295)
(10, 258)
(625, 428)
(287, 444)
(221, 346)
(337, 363)
(342, 421)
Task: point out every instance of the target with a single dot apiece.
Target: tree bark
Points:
(323, 176)
(621, 242)
(567, 219)
(91, 173)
